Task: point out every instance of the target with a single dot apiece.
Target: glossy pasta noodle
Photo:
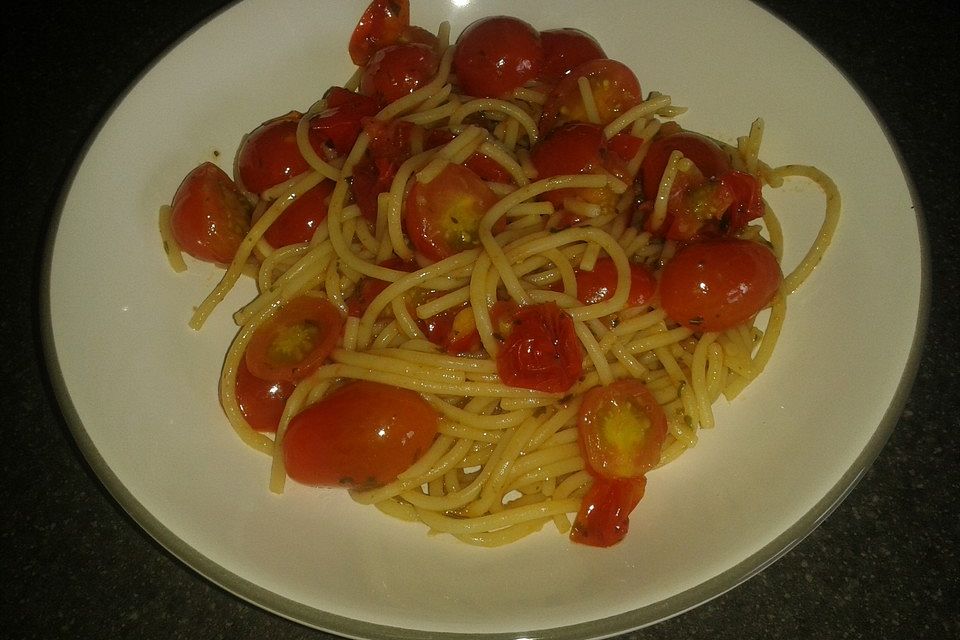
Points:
(506, 460)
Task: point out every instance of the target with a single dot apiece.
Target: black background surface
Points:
(883, 565)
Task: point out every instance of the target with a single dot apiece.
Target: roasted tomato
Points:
(604, 516)
(717, 284)
(335, 130)
(210, 216)
(382, 24)
(298, 222)
(566, 49)
(601, 283)
(442, 217)
(703, 152)
(541, 350)
(269, 155)
(360, 436)
(261, 401)
(614, 86)
(296, 340)
(397, 70)
(496, 56)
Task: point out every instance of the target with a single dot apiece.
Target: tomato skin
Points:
(334, 130)
(497, 55)
(703, 152)
(748, 199)
(615, 90)
(382, 24)
(601, 283)
(541, 351)
(296, 340)
(360, 436)
(398, 70)
(603, 519)
(622, 429)
(261, 401)
(442, 217)
(566, 49)
(300, 219)
(209, 215)
(269, 155)
(717, 284)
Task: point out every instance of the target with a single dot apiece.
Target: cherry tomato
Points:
(541, 350)
(566, 49)
(369, 288)
(696, 208)
(747, 198)
(334, 130)
(295, 341)
(706, 154)
(261, 401)
(454, 330)
(382, 24)
(442, 217)
(496, 56)
(360, 436)
(604, 516)
(601, 283)
(397, 70)
(622, 429)
(210, 216)
(615, 90)
(625, 145)
(300, 219)
(717, 284)
(269, 155)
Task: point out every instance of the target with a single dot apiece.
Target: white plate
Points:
(139, 387)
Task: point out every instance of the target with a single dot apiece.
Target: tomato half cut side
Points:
(541, 350)
(717, 284)
(497, 55)
(209, 215)
(604, 516)
(614, 86)
(360, 436)
(294, 343)
(622, 429)
(442, 217)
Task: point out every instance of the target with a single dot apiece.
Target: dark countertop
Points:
(883, 565)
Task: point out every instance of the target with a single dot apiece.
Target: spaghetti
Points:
(506, 459)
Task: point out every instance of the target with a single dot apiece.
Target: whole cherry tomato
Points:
(261, 401)
(614, 86)
(296, 340)
(442, 217)
(601, 283)
(397, 70)
(269, 155)
(360, 436)
(210, 216)
(541, 350)
(566, 49)
(300, 219)
(496, 56)
(717, 284)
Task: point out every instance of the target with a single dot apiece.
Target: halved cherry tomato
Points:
(601, 283)
(382, 24)
(706, 154)
(575, 148)
(497, 55)
(294, 343)
(696, 208)
(442, 217)
(210, 216)
(622, 429)
(615, 89)
(261, 401)
(541, 350)
(397, 70)
(269, 154)
(604, 516)
(748, 199)
(334, 130)
(299, 220)
(360, 436)
(717, 284)
(566, 49)
(625, 145)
